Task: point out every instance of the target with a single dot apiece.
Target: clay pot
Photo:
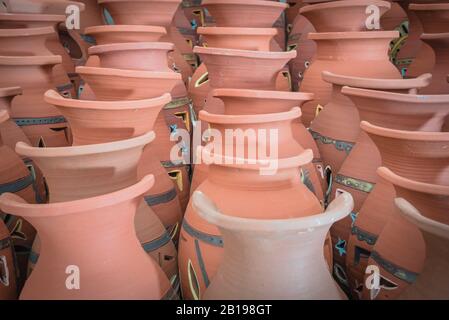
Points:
(336, 128)
(436, 236)
(252, 102)
(337, 53)
(125, 33)
(15, 178)
(127, 274)
(200, 248)
(8, 286)
(42, 6)
(341, 16)
(440, 45)
(245, 274)
(25, 41)
(433, 16)
(86, 171)
(42, 123)
(250, 14)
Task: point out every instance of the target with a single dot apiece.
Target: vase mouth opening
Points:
(423, 136)
(30, 17)
(14, 204)
(258, 3)
(127, 73)
(30, 60)
(130, 46)
(25, 149)
(413, 185)
(10, 92)
(54, 98)
(344, 4)
(354, 35)
(412, 214)
(375, 83)
(237, 31)
(26, 32)
(268, 55)
(251, 118)
(337, 210)
(121, 28)
(262, 94)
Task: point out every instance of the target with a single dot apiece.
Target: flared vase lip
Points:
(410, 184)
(299, 160)
(127, 73)
(259, 3)
(348, 35)
(268, 55)
(54, 98)
(412, 214)
(128, 46)
(30, 60)
(394, 96)
(31, 17)
(344, 4)
(237, 31)
(109, 1)
(26, 32)
(10, 91)
(14, 204)
(25, 149)
(405, 135)
(376, 83)
(435, 36)
(4, 116)
(337, 210)
(263, 94)
(121, 28)
(428, 6)
(250, 118)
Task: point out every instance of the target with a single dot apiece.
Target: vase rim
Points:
(394, 96)
(10, 91)
(337, 210)
(49, 7)
(422, 222)
(4, 116)
(343, 35)
(125, 46)
(428, 6)
(31, 17)
(376, 83)
(14, 204)
(54, 98)
(236, 31)
(410, 184)
(262, 94)
(249, 118)
(26, 32)
(260, 3)
(30, 60)
(111, 28)
(435, 36)
(106, 1)
(127, 73)
(405, 135)
(299, 160)
(269, 55)
(25, 149)
(343, 4)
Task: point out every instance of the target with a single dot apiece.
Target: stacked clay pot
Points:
(378, 236)
(340, 32)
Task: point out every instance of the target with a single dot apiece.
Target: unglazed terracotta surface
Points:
(127, 274)
(247, 266)
(8, 286)
(125, 33)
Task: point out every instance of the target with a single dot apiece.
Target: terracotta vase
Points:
(248, 102)
(433, 16)
(8, 286)
(245, 274)
(440, 45)
(436, 235)
(373, 196)
(110, 34)
(342, 16)
(337, 127)
(381, 222)
(127, 274)
(337, 52)
(86, 171)
(250, 14)
(200, 248)
(42, 123)
(15, 178)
